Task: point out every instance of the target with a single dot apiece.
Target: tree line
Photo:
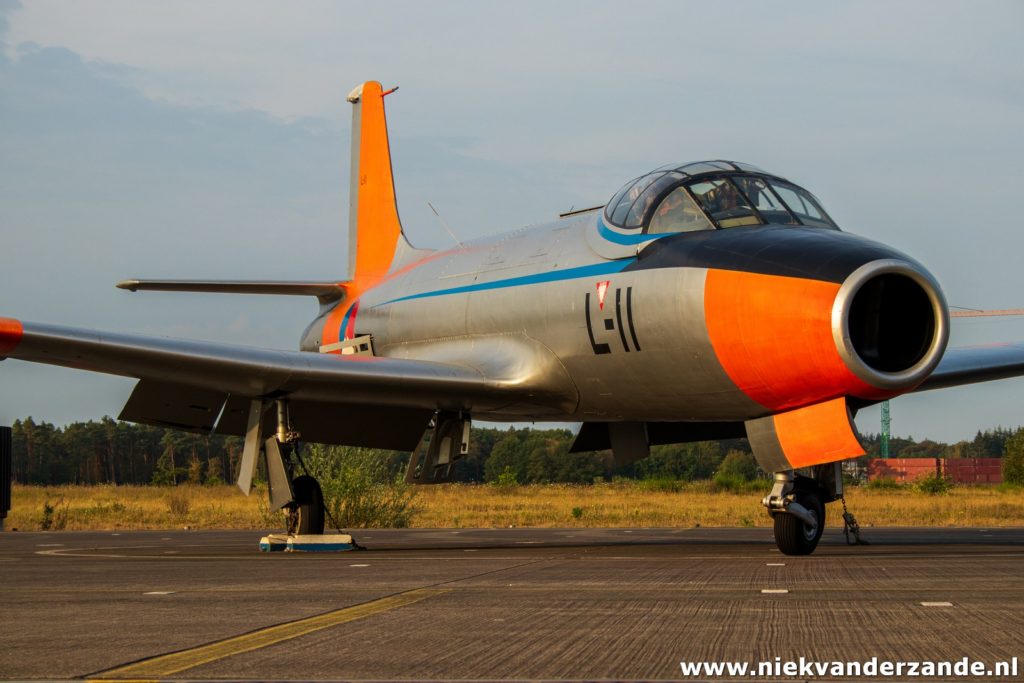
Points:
(111, 452)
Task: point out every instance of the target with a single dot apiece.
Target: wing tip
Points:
(130, 285)
(11, 332)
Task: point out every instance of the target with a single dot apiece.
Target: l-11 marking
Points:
(620, 320)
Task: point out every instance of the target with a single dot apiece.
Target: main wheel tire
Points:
(792, 535)
(309, 503)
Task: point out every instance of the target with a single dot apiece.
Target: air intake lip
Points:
(890, 323)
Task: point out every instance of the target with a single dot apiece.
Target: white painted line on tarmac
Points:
(775, 590)
(776, 564)
(160, 593)
(529, 542)
(936, 604)
(48, 545)
(359, 565)
(469, 550)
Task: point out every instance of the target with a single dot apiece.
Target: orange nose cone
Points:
(773, 336)
(11, 332)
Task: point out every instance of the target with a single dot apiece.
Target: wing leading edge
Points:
(972, 364)
(243, 371)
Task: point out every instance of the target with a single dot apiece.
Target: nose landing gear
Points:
(797, 506)
(799, 535)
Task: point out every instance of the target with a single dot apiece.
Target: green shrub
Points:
(55, 516)
(1013, 459)
(884, 484)
(739, 464)
(577, 513)
(933, 485)
(506, 479)
(360, 488)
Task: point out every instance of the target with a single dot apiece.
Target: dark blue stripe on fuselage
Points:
(790, 251)
(605, 268)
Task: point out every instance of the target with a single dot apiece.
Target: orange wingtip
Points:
(11, 332)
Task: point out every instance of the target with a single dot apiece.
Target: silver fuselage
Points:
(525, 307)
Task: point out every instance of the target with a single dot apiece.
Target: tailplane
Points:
(375, 231)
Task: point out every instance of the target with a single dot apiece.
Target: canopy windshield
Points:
(710, 195)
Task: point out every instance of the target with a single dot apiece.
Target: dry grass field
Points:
(619, 504)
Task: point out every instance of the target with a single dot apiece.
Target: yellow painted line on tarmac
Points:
(166, 665)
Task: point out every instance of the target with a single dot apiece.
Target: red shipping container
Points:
(974, 470)
(903, 469)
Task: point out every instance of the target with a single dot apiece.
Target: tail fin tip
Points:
(374, 225)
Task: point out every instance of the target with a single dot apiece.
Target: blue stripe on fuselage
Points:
(607, 268)
(344, 321)
(619, 238)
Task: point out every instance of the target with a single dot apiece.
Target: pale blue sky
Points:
(210, 139)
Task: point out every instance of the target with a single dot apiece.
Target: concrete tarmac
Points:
(500, 603)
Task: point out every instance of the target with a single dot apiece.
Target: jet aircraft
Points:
(703, 300)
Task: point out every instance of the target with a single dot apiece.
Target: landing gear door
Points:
(445, 441)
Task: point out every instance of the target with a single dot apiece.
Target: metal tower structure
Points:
(885, 429)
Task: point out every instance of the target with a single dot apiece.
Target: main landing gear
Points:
(305, 498)
(300, 496)
(797, 505)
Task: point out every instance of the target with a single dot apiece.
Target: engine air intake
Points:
(890, 324)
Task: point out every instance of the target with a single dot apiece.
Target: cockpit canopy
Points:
(706, 195)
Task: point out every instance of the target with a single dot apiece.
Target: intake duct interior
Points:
(891, 322)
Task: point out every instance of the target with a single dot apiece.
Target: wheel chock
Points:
(320, 543)
(274, 543)
(309, 543)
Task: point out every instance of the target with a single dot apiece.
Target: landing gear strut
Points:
(304, 497)
(797, 505)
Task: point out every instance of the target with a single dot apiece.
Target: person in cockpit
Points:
(724, 198)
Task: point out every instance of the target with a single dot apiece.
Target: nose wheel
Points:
(799, 535)
(797, 506)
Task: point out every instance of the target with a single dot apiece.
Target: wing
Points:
(970, 364)
(196, 384)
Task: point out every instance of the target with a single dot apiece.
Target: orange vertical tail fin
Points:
(374, 226)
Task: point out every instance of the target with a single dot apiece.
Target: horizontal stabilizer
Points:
(325, 291)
